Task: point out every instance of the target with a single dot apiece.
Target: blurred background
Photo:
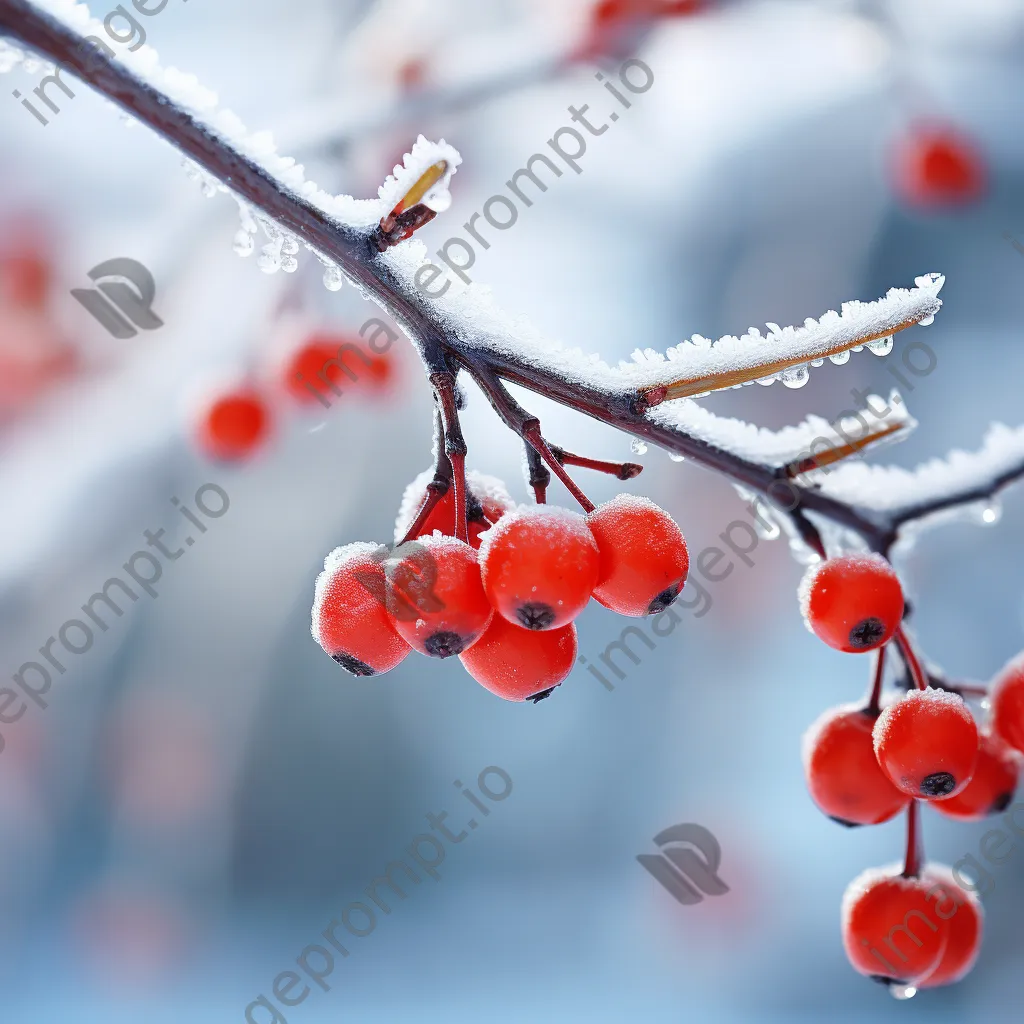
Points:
(206, 790)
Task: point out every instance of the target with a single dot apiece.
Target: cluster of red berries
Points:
(236, 422)
(504, 601)
(865, 763)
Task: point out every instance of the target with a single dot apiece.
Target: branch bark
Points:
(353, 249)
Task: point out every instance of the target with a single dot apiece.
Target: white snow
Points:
(779, 447)
(893, 489)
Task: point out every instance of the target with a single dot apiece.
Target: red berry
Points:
(539, 566)
(304, 374)
(517, 663)
(992, 785)
(938, 167)
(927, 743)
(854, 602)
(1007, 697)
(890, 929)
(235, 425)
(350, 621)
(644, 560)
(963, 911)
(435, 598)
(25, 278)
(842, 774)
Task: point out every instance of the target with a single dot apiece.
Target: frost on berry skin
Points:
(539, 566)
(644, 561)
(842, 773)
(521, 664)
(853, 603)
(890, 929)
(992, 785)
(451, 610)
(1007, 703)
(349, 619)
(927, 743)
(966, 917)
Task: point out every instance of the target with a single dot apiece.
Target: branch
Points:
(463, 329)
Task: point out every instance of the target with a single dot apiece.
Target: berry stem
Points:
(443, 382)
(620, 470)
(874, 705)
(539, 475)
(526, 426)
(914, 857)
(438, 487)
(533, 436)
(911, 659)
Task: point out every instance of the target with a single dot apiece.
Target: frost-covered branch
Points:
(460, 327)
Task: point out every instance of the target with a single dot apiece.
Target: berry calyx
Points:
(966, 918)
(927, 743)
(937, 166)
(842, 773)
(853, 603)
(349, 618)
(235, 425)
(992, 785)
(1007, 700)
(539, 566)
(517, 663)
(890, 930)
(644, 561)
(436, 600)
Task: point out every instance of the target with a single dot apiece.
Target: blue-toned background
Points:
(206, 790)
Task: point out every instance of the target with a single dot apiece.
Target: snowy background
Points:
(206, 790)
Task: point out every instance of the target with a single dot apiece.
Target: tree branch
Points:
(628, 398)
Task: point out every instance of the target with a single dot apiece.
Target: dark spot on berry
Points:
(444, 645)
(1001, 802)
(884, 979)
(353, 665)
(665, 598)
(867, 633)
(844, 822)
(535, 615)
(938, 784)
(543, 695)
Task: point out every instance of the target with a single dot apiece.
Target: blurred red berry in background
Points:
(234, 425)
(938, 166)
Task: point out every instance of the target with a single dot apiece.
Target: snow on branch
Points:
(940, 485)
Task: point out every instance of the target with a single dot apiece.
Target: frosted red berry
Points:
(938, 167)
(927, 743)
(234, 425)
(517, 663)
(644, 561)
(890, 930)
(842, 773)
(350, 620)
(1007, 700)
(853, 603)
(436, 599)
(539, 566)
(992, 785)
(962, 910)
